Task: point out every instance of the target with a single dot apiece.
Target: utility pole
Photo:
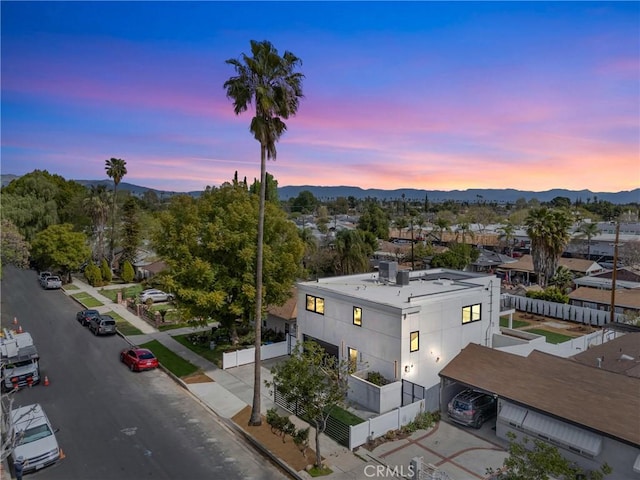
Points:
(614, 275)
(412, 267)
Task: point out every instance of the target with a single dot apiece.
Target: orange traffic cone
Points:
(15, 320)
(19, 328)
(46, 381)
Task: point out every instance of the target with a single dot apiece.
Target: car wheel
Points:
(95, 332)
(122, 358)
(479, 422)
(132, 367)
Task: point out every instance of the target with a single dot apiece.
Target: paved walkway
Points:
(460, 453)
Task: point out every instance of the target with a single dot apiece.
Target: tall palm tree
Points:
(271, 84)
(507, 232)
(442, 225)
(352, 252)
(548, 230)
(588, 230)
(116, 169)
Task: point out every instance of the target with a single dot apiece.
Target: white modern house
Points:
(405, 325)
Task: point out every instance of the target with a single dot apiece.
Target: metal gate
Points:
(411, 392)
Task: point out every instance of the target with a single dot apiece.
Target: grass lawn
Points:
(69, 286)
(172, 314)
(504, 322)
(171, 361)
(214, 356)
(128, 292)
(345, 416)
(124, 327)
(87, 300)
(552, 337)
(173, 326)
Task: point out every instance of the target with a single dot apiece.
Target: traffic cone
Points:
(19, 328)
(46, 381)
(15, 320)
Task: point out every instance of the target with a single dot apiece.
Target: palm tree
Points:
(116, 169)
(442, 225)
(548, 230)
(588, 230)
(352, 252)
(507, 233)
(270, 83)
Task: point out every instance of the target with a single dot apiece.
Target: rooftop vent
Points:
(402, 277)
(387, 271)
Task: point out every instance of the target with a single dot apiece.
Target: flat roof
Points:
(588, 396)
(422, 283)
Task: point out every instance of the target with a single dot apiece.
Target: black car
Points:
(85, 316)
(472, 408)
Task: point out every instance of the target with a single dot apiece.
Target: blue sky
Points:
(429, 95)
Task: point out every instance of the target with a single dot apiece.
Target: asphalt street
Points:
(113, 423)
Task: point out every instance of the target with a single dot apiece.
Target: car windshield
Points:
(145, 356)
(35, 433)
(109, 322)
(18, 364)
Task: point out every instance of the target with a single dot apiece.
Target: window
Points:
(353, 358)
(315, 304)
(471, 313)
(414, 344)
(357, 316)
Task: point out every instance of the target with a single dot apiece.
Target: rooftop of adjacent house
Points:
(620, 355)
(287, 311)
(588, 396)
(525, 264)
(417, 285)
(627, 298)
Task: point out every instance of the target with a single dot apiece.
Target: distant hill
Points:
(507, 195)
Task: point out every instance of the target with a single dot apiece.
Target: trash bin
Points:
(212, 345)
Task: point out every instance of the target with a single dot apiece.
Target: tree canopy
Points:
(60, 248)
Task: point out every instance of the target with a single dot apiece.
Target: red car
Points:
(138, 359)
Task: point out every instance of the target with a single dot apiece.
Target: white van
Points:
(34, 439)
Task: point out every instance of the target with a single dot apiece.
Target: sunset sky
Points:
(426, 95)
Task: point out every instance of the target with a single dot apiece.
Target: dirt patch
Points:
(197, 378)
(287, 451)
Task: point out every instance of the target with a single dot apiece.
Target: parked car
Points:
(472, 408)
(84, 316)
(155, 295)
(102, 325)
(35, 438)
(52, 282)
(43, 276)
(138, 359)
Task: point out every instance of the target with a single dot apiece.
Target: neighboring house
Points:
(522, 271)
(147, 269)
(591, 414)
(402, 324)
(625, 299)
(625, 278)
(488, 261)
(620, 355)
(283, 318)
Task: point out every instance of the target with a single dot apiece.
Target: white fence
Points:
(562, 311)
(378, 426)
(247, 355)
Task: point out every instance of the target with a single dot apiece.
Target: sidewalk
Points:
(459, 453)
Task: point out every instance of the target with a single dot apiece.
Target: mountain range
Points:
(324, 193)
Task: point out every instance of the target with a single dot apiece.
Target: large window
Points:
(353, 358)
(471, 313)
(315, 304)
(357, 316)
(414, 342)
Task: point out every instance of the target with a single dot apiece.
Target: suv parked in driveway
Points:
(472, 408)
(155, 295)
(102, 325)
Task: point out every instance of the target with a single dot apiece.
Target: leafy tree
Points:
(507, 233)
(130, 229)
(29, 213)
(128, 273)
(116, 169)
(541, 461)
(105, 271)
(305, 202)
(271, 192)
(563, 278)
(60, 248)
(548, 230)
(93, 274)
(630, 253)
(374, 220)
(353, 249)
(561, 202)
(457, 257)
(550, 294)
(588, 230)
(96, 206)
(272, 85)
(314, 381)
(14, 249)
(442, 225)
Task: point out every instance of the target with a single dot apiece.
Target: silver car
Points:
(472, 408)
(102, 325)
(155, 296)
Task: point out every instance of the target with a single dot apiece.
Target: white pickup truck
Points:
(52, 282)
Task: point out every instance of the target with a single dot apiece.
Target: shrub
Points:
(105, 269)
(376, 378)
(127, 272)
(301, 439)
(93, 275)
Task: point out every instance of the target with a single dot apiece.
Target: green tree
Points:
(442, 225)
(507, 233)
(588, 230)
(127, 272)
(314, 381)
(272, 85)
(105, 271)
(271, 191)
(563, 278)
(542, 461)
(116, 169)
(60, 248)
(374, 220)
(14, 249)
(353, 249)
(96, 206)
(131, 229)
(305, 202)
(457, 257)
(93, 274)
(548, 230)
